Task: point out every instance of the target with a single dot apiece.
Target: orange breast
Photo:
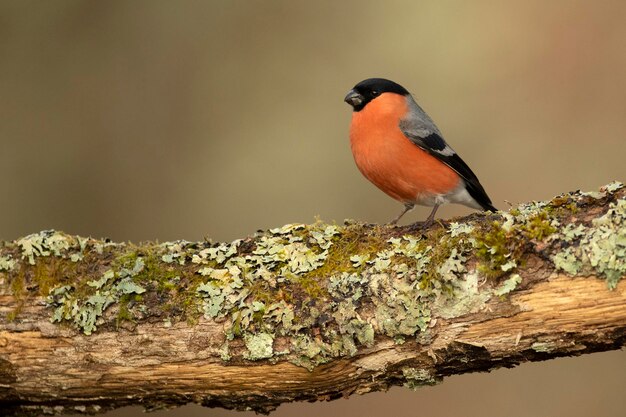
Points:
(387, 158)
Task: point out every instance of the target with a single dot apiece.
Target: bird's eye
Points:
(375, 93)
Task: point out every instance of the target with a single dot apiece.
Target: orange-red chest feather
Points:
(387, 158)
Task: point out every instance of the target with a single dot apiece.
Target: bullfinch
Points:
(400, 150)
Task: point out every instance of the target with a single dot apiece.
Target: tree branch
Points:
(307, 312)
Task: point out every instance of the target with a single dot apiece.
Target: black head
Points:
(369, 89)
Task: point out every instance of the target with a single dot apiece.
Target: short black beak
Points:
(353, 98)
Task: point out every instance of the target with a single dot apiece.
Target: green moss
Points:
(313, 285)
(12, 315)
(493, 249)
(18, 284)
(500, 245)
(560, 200)
(350, 241)
(124, 313)
(538, 227)
(51, 273)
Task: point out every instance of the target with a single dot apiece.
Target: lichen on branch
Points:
(348, 282)
(310, 294)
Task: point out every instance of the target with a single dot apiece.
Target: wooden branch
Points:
(307, 312)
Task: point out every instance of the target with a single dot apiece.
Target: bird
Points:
(398, 147)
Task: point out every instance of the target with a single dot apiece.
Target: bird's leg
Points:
(431, 217)
(407, 207)
(428, 222)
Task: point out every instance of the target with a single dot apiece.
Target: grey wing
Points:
(422, 131)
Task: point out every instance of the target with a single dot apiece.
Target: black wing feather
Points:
(432, 141)
(436, 146)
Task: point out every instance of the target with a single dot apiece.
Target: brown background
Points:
(177, 120)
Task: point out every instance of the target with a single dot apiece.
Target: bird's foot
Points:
(420, 226)
(427, 224)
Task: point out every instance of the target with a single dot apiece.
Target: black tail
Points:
(489, 207)
(474, 188)
(478, 193)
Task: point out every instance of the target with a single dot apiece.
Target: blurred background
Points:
(163, 120)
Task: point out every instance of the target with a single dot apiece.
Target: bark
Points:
(307, 312)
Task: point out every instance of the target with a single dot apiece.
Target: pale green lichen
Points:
(567, 261)
(466, 297)
(259, 346)
(458, 229)
(85, 310)
(612, 187)
(512, 264)
(543, 347)
(127, 286)
(416, 378)
(52, 243)
(99, 283)
(359, 260)
(225, 351)
(82, 245)
(601, 247)
(43, 244)
(280, 313)
(309, 352)
(221, 293)
(571, 232)
(508, 285)
(609, 188)
(175, 252)
(218, 254)
(7, 263)
(593, 194)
